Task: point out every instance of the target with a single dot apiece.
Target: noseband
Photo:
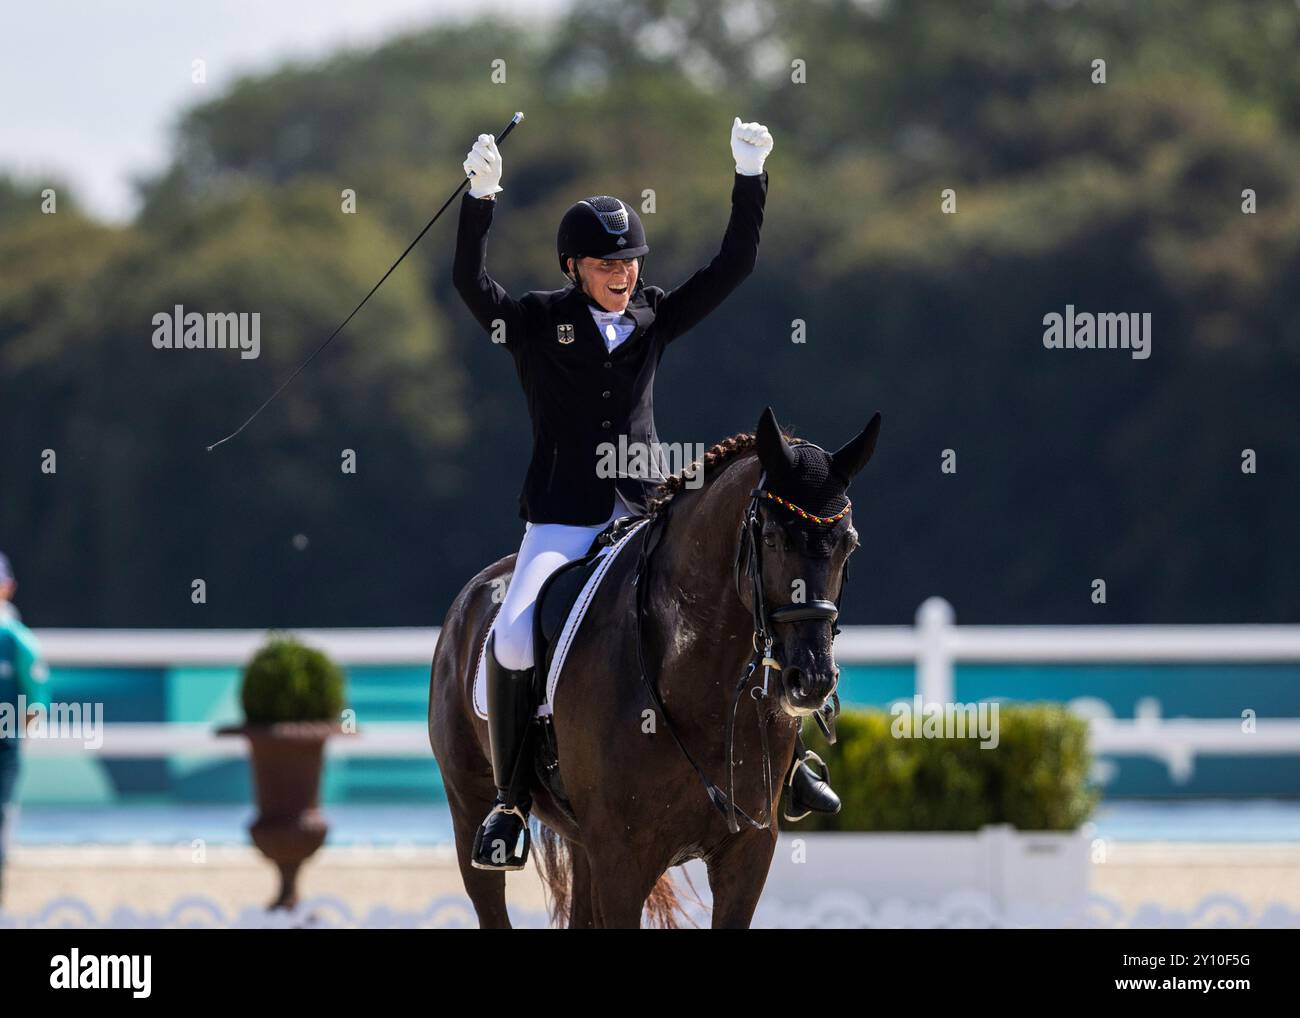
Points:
(749, 557)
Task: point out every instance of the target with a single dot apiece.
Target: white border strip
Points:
(180, 647)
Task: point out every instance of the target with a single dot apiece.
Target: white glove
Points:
(483, 167)
(750, 144)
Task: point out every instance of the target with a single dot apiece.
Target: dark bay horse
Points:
(636, 804)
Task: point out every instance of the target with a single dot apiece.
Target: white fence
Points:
(935, 645)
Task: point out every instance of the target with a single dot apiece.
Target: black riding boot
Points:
(510, 708)
(810, 792)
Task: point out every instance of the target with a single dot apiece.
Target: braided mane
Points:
(714, 460)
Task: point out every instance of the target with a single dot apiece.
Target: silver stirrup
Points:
(502, 808)
(808, 754)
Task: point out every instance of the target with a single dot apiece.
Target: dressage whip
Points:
(285, 384)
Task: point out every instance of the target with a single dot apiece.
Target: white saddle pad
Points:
(567, 635)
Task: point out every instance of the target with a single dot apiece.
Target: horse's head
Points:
(795, 543)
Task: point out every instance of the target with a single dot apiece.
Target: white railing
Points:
(132, 740)
(935, 645)
(179, 647)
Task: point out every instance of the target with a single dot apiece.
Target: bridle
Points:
(749, 560)
(749, 540)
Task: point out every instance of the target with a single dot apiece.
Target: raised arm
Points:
(486, 299)
(685, 306)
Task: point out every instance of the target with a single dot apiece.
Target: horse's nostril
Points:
(794, 681)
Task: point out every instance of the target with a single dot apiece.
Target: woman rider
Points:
(586, 356)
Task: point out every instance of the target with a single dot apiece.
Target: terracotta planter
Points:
(287, 760)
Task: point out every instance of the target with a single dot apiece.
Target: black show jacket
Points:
(579, 394)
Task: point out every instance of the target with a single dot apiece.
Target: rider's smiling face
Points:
(610, 282)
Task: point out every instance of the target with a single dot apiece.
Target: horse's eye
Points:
(769, 539)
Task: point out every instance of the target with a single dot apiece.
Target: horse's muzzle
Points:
(805, 691)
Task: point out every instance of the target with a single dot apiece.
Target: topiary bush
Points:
(1041, 769)
(1036, 778)
(289, 681)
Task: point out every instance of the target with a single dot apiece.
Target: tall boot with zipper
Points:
(502, 841)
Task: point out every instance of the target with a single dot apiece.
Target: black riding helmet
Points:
(601, 227)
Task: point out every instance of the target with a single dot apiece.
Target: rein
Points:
(749, 540)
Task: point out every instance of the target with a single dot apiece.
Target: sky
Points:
(90, 89)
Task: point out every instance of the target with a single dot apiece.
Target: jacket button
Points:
(609, 364)
(604, 424)
(605, 394)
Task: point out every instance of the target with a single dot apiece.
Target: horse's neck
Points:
(703, 630)
(693, 571)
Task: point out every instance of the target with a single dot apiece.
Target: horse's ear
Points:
(773, 451)
(848, 460)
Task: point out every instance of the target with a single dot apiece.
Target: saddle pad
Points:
(564, 641)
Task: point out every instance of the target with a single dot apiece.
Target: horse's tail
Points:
(663, 907)
(555, 866)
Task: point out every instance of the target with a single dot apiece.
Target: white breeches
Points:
(546, 547)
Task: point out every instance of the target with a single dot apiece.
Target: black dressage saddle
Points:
(556, 599)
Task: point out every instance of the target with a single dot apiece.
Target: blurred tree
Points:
(1072, 465)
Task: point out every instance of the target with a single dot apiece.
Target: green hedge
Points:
(1036, 778)
(288, 681)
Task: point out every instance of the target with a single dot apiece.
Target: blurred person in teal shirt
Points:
(22, 673)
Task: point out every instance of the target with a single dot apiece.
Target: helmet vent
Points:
(611, 213)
